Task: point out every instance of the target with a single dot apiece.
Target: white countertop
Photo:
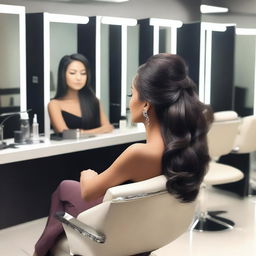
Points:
(51, 148)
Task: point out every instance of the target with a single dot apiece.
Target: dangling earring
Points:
(145, 114)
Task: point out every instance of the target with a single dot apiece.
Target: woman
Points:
(176, 122)
(75, 105)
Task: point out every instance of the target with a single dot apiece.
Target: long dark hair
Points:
(88, 102)
(163, 81)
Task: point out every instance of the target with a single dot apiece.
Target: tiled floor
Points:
(241, 241)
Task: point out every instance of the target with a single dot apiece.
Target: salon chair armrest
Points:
(80, 227)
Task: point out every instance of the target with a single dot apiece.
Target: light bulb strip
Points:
(118, 21)
(165, 22)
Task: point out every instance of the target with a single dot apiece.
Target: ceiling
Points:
(84, 1)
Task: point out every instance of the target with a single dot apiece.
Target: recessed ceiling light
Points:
(212, 9)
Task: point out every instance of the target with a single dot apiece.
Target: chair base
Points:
(210, 222)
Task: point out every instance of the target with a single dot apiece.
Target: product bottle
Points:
(24, 127)
(122, 123)
(35, 129)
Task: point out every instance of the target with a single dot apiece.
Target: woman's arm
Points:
(135, 164)
(105, 125)
(56, 118)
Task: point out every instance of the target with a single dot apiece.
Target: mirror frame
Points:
(20, 10)
(172, 24)
(48, 18)
(124, 23)
(205, 58)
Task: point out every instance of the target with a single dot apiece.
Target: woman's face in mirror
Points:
(76, 75)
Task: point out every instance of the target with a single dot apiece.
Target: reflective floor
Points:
(241, 241)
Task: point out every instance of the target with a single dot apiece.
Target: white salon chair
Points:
(221, 138)
(133, 218)
(245, 141)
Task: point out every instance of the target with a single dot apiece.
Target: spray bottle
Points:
(35, 129)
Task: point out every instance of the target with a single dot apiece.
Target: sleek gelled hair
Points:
(163, 81)
(88, 101)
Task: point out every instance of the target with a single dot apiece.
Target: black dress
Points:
(72, 121)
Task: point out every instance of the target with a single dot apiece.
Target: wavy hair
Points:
(88, 102)
(163, 81)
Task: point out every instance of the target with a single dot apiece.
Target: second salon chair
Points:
(221, 138)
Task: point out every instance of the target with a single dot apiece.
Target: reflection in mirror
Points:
(165, 39)
(117, 40)
(132, 59)
(165, 35)
(205, 59)
(102, 73)
(13, 64)
(9, 69)
(58, 28)
(244, 73)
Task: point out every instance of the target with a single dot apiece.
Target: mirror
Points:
(118, 58)
(165, 39)
(244, 71)
(58, 33)
(165, 35)
(9, 68)
(13, 63)
(58, 28)
(205, 59)
(12, 54)
(244, 96)
(132, 59)
(102, 69)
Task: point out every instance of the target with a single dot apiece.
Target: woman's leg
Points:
(66, 198)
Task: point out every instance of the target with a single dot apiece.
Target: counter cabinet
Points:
(30, 174)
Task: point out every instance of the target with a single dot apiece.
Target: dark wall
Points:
(145, 40)
(115, 59)
(26, 187)
(35, 66)
(188, 46)
(87, 44)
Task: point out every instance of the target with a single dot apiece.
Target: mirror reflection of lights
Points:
(118, 21)
(165, 22)
(64, 18)
(172, 24)
(205, 58)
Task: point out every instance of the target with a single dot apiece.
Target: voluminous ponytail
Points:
(184, 121)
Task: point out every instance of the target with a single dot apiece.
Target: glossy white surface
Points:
(50, 148)
(241, 241)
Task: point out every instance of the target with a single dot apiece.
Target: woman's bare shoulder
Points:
(144, 161)
(54, 104)
(143, 150)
